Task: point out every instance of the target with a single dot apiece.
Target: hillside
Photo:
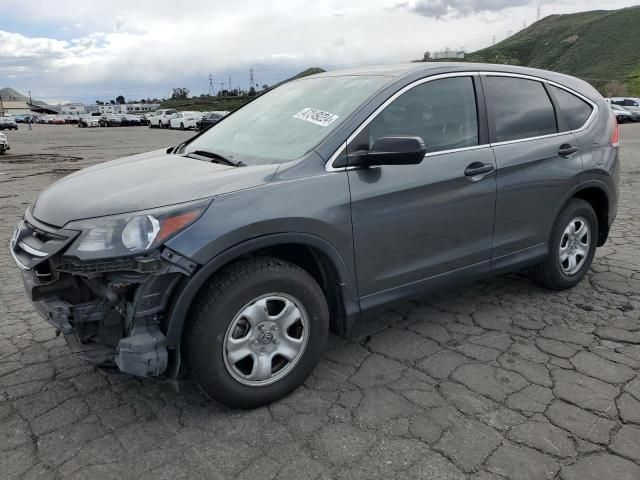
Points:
(208, 104)
(9, 94)
(601, 47)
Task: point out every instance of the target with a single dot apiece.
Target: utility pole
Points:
(221, 86)
(30, 101)
(211, 92)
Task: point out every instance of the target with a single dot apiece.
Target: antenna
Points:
(211, 85)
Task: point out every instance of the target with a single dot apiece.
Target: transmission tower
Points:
(229, 84)
(251, 84)
(211, 92)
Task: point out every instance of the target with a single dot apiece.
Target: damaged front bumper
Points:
(109, 311)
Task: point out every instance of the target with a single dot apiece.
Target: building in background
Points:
(138, 107)
(14, 108)
(447, 53)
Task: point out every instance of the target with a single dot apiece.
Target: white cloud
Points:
(138, 46)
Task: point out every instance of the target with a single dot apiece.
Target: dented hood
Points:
(140, 182)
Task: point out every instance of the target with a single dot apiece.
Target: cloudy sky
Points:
(85, 50)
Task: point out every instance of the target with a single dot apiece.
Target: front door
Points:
(412, 223)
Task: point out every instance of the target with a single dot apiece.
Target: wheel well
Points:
(600, 203)
(318, 265)
(315, 263)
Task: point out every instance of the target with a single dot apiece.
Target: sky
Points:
(67, 50)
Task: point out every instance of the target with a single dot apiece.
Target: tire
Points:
(222, 304)
(555, 274)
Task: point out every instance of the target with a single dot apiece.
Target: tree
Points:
(112, 102)
(427, 56)
(99, 102)
(180, 93)
(120, 100)
(252, 92)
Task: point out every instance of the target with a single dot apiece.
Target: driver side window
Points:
(441, 112)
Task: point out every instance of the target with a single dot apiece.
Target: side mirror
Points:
(172, 149)
(400, 150)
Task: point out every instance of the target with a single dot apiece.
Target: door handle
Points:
(566, 150)
(478, 168)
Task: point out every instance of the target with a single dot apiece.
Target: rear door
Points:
(538, 162)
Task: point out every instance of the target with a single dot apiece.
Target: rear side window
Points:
(521, 108)
(441, 112)
(575, 110)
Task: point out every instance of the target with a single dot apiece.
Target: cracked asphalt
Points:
(496, 380)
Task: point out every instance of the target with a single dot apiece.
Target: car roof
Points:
(400, 70)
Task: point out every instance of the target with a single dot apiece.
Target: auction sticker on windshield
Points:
(316, 116)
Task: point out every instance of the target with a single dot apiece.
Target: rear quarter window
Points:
(574, 110)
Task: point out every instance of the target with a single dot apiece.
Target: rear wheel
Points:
(258, 331)
(571, 247)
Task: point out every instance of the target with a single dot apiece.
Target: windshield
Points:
(288, 121)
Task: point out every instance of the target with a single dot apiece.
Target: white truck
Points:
(4, 143)
(161, 118)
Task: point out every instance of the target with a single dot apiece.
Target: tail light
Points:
(615, 137)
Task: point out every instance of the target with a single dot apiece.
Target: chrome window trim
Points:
(329, 164)
(594, 106)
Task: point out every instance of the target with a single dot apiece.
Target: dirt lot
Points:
(497, 380)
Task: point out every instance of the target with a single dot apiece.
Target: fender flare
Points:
(590, 183)
(189, 288)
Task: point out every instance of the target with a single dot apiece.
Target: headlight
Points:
(131, 233)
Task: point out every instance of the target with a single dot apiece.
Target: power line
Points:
(211, 90)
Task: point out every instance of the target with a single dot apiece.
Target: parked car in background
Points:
(111, 120)
(88, 121)
(630, 103)
(57, 120)
(185, 120)
(210, 119)
(24, 118)
(144, 119)
(161, 118)
(253, 240)
(8, 123)
(622, 114)
(4, 143)
(71, 119)
(130, 120)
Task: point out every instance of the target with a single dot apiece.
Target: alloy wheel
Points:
(574, 245)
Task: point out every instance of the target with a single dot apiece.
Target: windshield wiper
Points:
(216, 158)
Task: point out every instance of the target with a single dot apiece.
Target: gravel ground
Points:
(500, 379)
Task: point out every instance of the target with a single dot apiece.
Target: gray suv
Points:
(326, 199)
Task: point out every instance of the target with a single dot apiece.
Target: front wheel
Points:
(258, 331)
(572, 247)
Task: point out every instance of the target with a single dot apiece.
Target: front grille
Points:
(97, 266)
(33, 243)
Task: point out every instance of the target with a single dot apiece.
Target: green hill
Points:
(208, 104)
(601, 47)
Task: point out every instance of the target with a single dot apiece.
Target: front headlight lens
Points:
(131, 233)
